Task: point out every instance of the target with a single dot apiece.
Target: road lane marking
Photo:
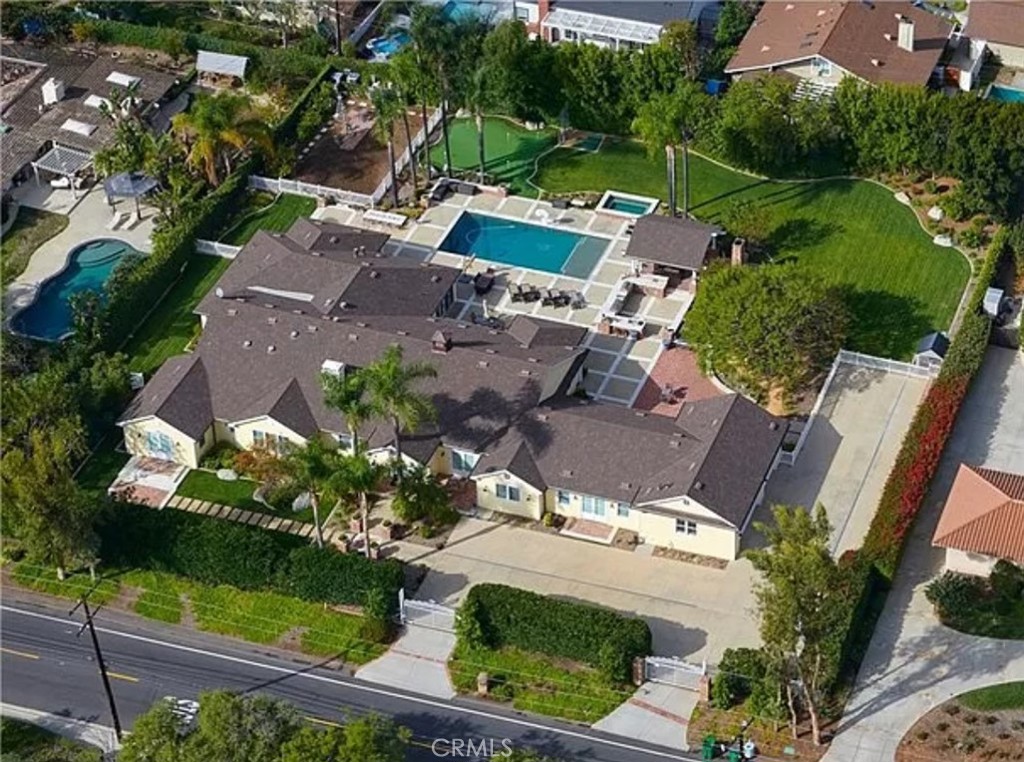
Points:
(365, 688)
(119, 676)
(23, 654)
(320, 721)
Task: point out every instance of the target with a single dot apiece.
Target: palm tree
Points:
(355, 481)
(314, 468)
(389, 385)
(658, 122)
(476, 101)
(433, 40)
(216, 124)
(406, 75)
(346, 394)
(419, 495)
(386, 106)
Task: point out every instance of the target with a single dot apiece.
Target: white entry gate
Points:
(425, 614)
(670, 671)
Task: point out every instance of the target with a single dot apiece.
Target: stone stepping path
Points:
(252, 518)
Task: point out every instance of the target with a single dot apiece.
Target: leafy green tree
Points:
(433, 38)
(748, 220)
(801, 605)
(217, 124)
(386, 109)
(391, 388)
(420, 495)
(346, 395)
(767, 328)
(524, 81)
(355, 481)
(414, 82)
(734, 20)
(680, 37)
(659, 125)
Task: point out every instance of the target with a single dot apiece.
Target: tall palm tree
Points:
(355, 481)
(314, 468)
(390, 386)
(216, 124)
(476, 102)
(346, 394)
(658, 122)
(406, 75)
(433, 39)
(386, 106)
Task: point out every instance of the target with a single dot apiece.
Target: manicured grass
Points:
(995, 698)
(30, 230)
(255, 616)
(171, 326)
(851, 231)
(510, 150)
(25, 742)
(257, 215)
(537, 683)
(205, 485)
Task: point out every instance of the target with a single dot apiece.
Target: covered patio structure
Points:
(133, 185)
(675, 248)
(210, 65)
(64, 162)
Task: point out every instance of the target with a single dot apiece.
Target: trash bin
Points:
(735, 755)
(708, 749)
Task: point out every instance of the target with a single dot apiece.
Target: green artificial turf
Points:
(205, 485)
(510, 150)
(853, 232)
(256, 215)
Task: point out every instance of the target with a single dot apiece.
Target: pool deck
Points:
(88, 221)
(616, 367)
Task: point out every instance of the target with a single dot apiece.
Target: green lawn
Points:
(205, 485)
(262, 212)
(995, 698)
(853, 232)
(255, 616)
(30, 230)
(25, 742)
(537, 683)
(509, 149)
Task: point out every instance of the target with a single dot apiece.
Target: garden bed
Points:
(774, 741)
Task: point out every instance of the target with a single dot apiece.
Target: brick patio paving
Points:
(676, 371)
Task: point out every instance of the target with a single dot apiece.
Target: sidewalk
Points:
(77, 730)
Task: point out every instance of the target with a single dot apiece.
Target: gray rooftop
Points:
(672, 241)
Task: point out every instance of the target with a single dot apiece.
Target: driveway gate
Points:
(425, 613)
(682, 674)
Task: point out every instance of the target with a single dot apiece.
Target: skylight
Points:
(122, 80)
(79, 128)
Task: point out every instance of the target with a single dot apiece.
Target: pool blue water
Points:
(456, 10)
(89, 266)
(1006, 94)
(627, 205)
(388, 46)
(522, 244)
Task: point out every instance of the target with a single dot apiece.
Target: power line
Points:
(83, 603)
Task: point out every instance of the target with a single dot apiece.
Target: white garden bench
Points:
(384, 218)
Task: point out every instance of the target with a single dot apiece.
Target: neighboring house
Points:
(931, 350)
(609, 24)
(982, 521)
(1000, 27)
(50, 108)
(820, 43)
(326, 298)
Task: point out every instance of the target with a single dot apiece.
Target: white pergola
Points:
(589, 24)
(63, 161)
(208, 62)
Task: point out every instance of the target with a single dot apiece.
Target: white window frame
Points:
(687, 527)
(822, 67)
(563, 498)
(344, 441)
(622, 510)
(593, 506)
(512, 493)
(461, 459)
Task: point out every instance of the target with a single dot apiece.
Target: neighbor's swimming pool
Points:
(385, 47)
(88, 267)
(1006, 94)
(522, 244)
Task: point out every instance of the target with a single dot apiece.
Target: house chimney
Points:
(543, 9)
(440, 342)
(53, 91)
(905, 37)
(739, 252)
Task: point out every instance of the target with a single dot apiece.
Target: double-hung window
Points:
(563, 498)
(593, 506)
(508, 492)
(685, 526)
(622, 510)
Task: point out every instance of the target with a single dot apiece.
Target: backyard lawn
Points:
(30, 230)
(262, 212)
(901, 285)
(206, 486)
(510, 150)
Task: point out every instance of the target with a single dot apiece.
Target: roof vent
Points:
(247, 343)
(524, 372)
(435, 278)
(431, 319)
(374, 274)
(271, 320)
(765, 48)
(295, 334)
(887, 36)
(482, 363)
(333, 367)
(698, 485)
(875, 62)
(641, 414)
(315, 253)
(343, 305)
(353, 337)
(298, 312)
(491, 351)
(232, 312)
(567, 472)
(218, 292)
(268, 305)
(400, 332)
(790, 6)
(693, 465)
(361, 325)
(334, 318)
(542, 416)
(271, 349)
(441, 342)
(774, 425)
(674, 444)
(333, 239)
(532, 359)
(311, 328)
(492, 332)
(625, 485)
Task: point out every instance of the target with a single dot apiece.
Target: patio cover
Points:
(61, 160)
(128, 185)
(208, 62)
(604, 26)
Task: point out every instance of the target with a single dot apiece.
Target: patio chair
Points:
(530, 293)
(577, 301)
(549, 298)
(115, 221)
(133, 220)
(563, 299)
(517, 293)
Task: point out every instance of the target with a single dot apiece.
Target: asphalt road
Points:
(48, 668)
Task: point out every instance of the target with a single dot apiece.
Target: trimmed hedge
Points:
(225, 553)
(286, 130)
(499, 615)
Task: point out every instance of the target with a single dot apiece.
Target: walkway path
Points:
(417, 661)
(90, 733)
(914, 663)
(656, 713)
(263, 520)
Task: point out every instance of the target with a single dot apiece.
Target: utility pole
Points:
(83, 603)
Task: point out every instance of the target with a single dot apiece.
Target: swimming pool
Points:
(484, 10)
(626, 204)
(1006, 94)
(89, 265)
(521, 244)
(385, 47)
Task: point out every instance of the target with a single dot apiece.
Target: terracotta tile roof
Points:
(999, 22)
(984, 513)
(853, 35)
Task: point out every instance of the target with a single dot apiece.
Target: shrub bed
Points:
(224, 553)
(496, 616)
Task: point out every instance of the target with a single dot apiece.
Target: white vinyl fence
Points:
(436, 616)
(671, 671)
(284, 185)
(217, 249)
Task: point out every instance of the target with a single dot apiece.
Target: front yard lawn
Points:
(851, 231)
(25, 742)
(262, 212)
(995, 698)
(537, 683)
(205, 485)
(256, 616)
(31, 229)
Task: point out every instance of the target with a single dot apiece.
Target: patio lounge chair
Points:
(549, 297)
(517, 293)
(530, 293)
(115, 221)
(133, 220)
(577, 301)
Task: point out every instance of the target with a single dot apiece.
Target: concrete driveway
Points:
(914, 663)
(695, 612)
(848, 453)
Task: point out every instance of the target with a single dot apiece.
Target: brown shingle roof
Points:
(999, 22)
(984, 513)
(853, 35)
(672, 241)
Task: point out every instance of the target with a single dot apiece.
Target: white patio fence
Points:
(436, 616)
(217, 249)
(672, 671)
(284, 185)
(862, 361)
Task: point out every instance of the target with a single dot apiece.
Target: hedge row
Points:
(285, 132)
(497, 615)
(225, 553)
